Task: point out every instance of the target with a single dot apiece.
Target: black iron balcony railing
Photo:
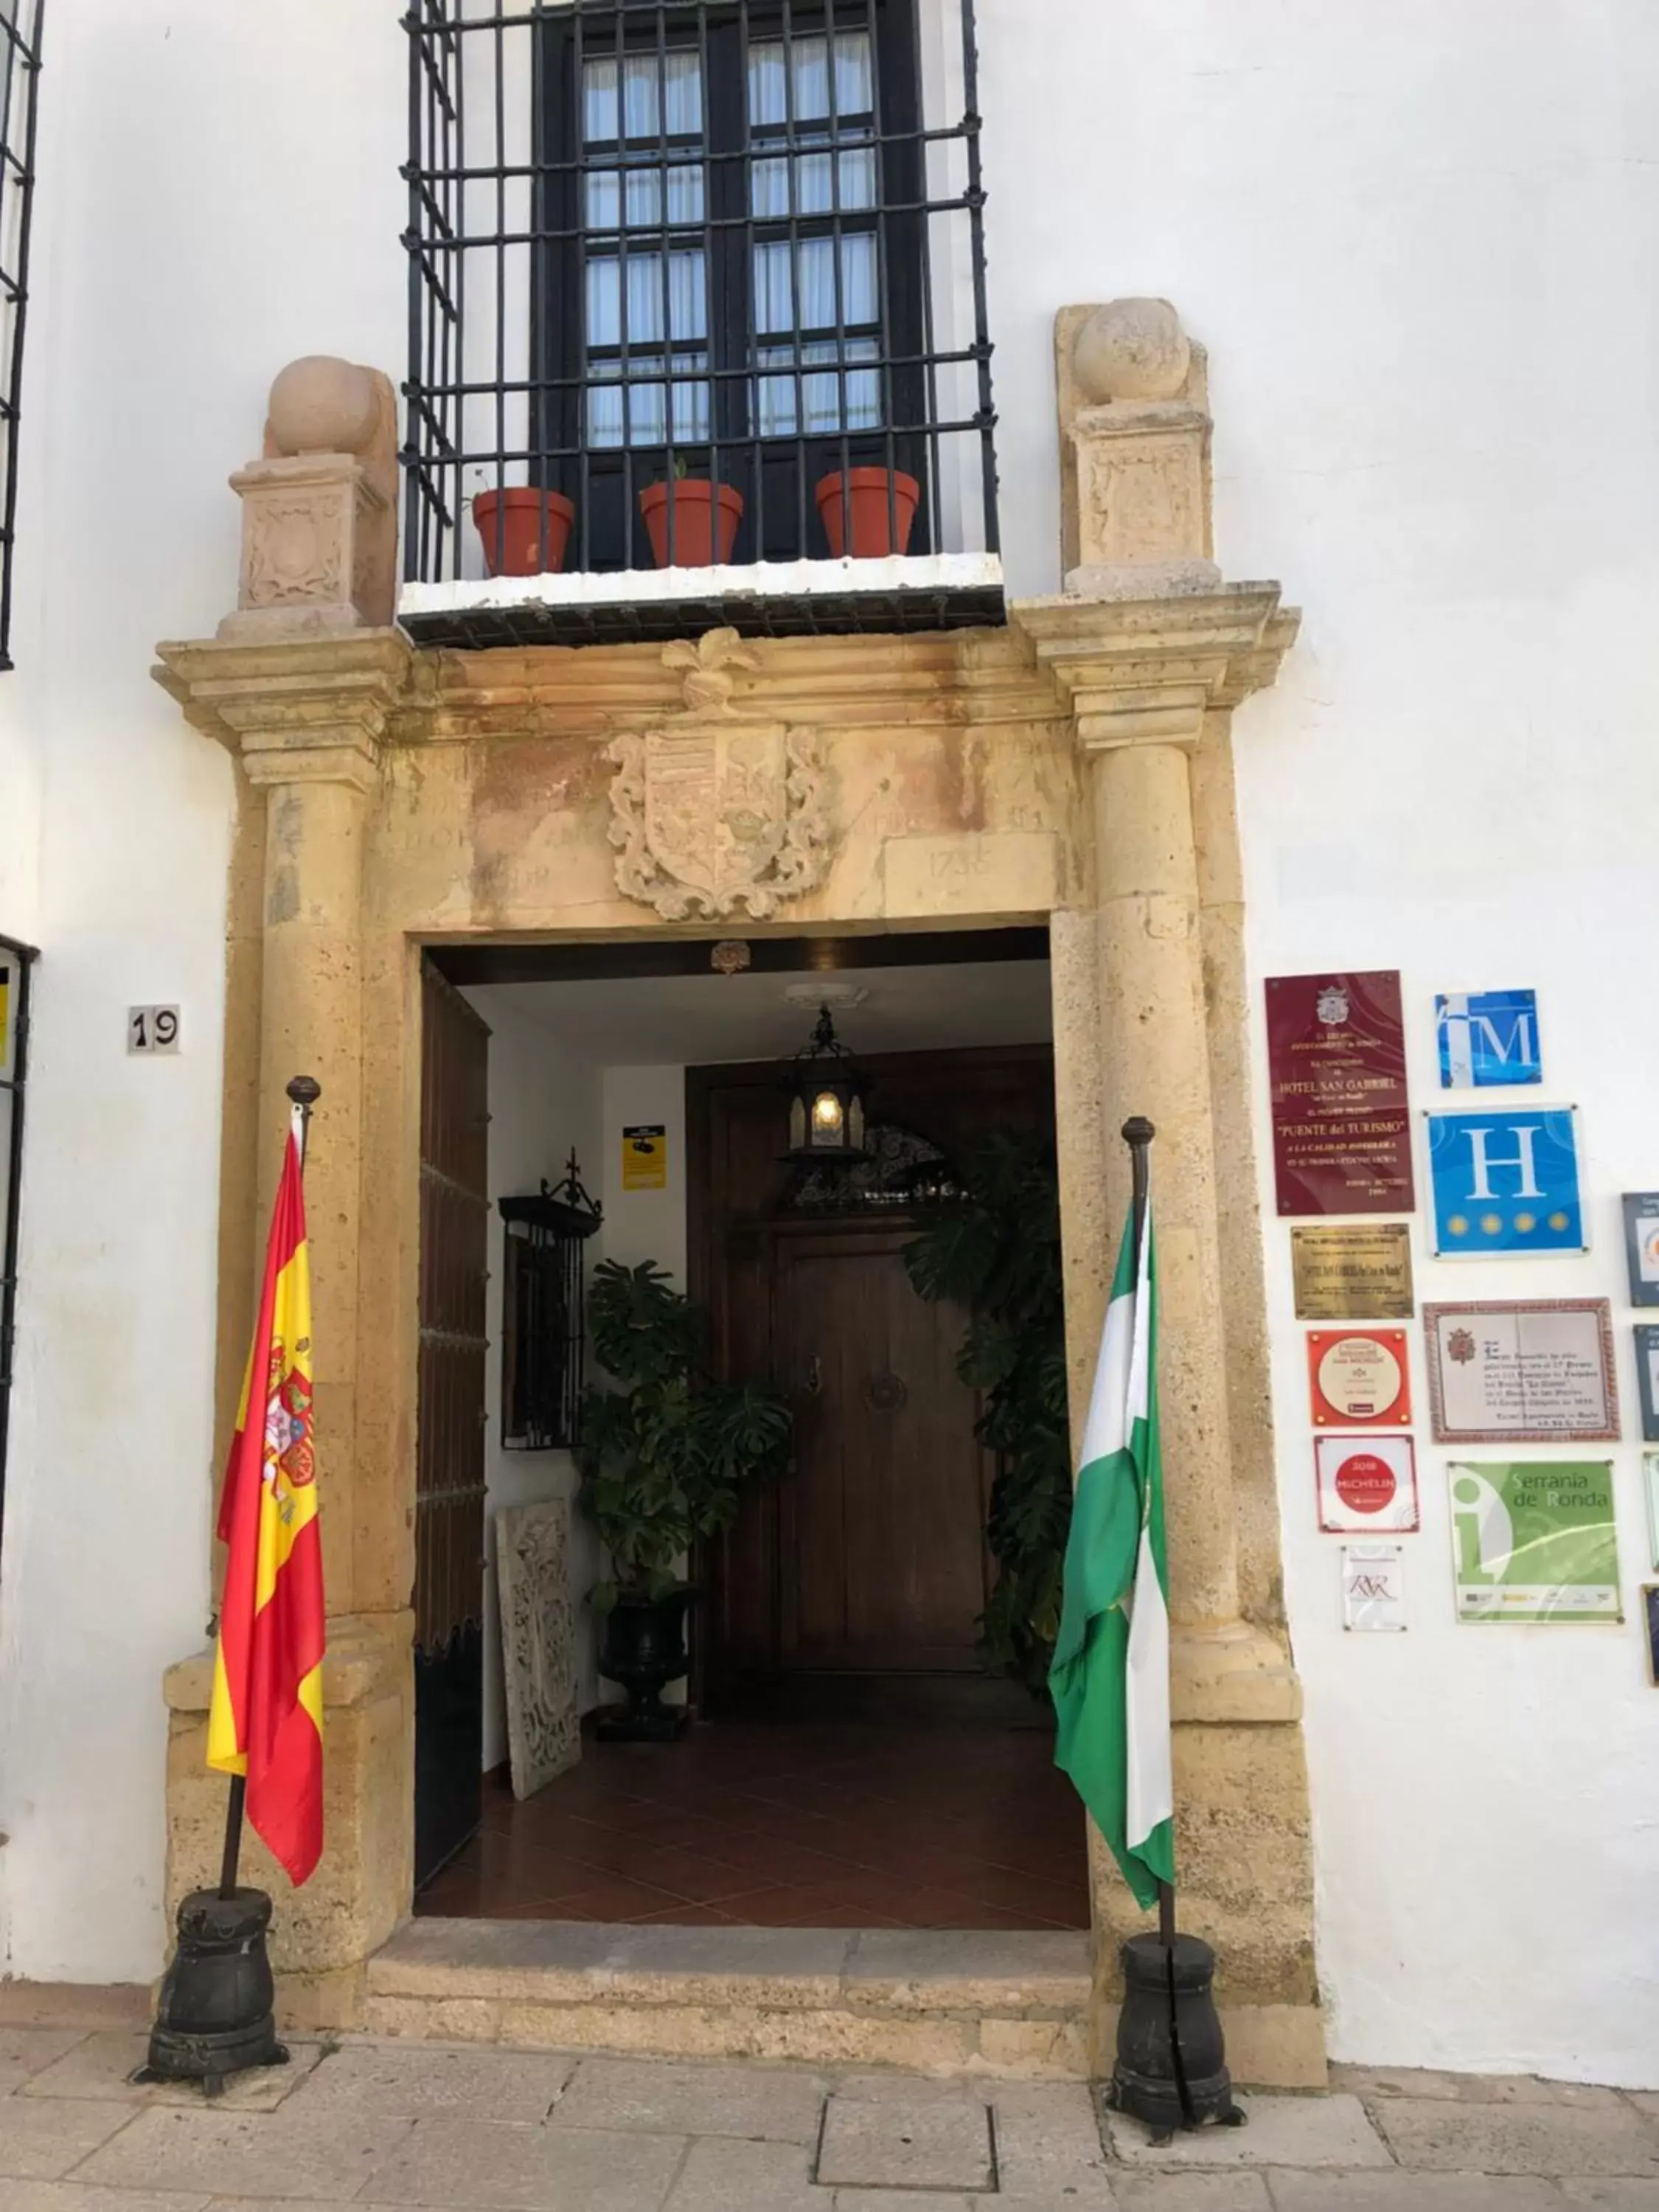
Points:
(694, 285)
(19, 74)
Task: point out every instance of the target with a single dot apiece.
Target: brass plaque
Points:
(1352, 1271)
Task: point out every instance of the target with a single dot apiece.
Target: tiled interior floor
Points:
(786, 1827)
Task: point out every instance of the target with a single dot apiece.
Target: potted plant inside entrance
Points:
(868, 513)
(706, 517)
(664, 1453)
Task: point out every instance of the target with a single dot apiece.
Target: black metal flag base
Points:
(215, 2016)
(1170, 2071)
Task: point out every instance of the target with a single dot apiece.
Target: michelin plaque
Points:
(1336, 1060)
(1359, 1378)
(1352, 1271)
(1522, 1373)
(1365, 1483)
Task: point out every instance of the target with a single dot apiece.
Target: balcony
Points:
(696, 321)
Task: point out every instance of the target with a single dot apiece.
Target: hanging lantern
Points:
(826, 1110)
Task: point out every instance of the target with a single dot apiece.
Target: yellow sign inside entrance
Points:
(644, 1158)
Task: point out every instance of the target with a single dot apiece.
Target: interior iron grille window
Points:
(733, 241)
(544, 1306)
(20, 69)
(16, 962)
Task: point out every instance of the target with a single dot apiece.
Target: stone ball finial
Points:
(1131, 349)
(319, 405)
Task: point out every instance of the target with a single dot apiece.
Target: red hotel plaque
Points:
(1336, 1062)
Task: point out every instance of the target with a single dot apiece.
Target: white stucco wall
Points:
(1418, 242)
(543, 1099)
(218, 191)
(646, 1224)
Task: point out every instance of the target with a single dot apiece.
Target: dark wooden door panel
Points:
(449, 1476)
(882, 1517)
(866, 1565)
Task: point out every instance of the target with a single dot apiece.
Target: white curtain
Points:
(812, 267)
(638, 102)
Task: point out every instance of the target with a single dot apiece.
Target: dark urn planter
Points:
(1171, 2069)
(644, 1649)
(215, 2016)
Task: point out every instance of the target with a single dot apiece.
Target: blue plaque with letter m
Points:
(1486, 1038)
(1506, 1180)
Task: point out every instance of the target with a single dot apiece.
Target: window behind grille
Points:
(736, 193)
(734, 239)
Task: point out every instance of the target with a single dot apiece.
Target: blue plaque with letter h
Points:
(1488, 1038)
(1506, 1181)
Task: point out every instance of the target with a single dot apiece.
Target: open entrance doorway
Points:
(858, 1752)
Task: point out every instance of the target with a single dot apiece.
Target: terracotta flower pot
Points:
(693, 521)
(876, 530)
(534, 528)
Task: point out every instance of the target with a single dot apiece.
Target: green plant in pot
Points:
(996, 1250)
(664, 1452)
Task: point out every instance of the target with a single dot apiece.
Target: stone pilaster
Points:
(1149, 649)
(307, 719)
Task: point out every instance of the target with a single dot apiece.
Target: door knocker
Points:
(884, 1394)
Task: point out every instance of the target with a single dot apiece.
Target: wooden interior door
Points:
(852, 1586)
(883, 1558)
(449, 1481)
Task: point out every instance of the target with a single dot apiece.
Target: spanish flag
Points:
(266, 1720)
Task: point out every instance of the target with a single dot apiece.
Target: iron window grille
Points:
(544, 1323)
(736, 241)
(16, 963)
(20, 70)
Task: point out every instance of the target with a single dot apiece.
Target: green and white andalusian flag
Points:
(1110, 1677)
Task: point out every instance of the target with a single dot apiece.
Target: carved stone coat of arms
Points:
(714, 813)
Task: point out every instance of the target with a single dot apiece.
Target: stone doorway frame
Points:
(1074, 768)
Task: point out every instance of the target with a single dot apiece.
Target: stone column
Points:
(1155, 1060)
(306, 717)
(1149, 647)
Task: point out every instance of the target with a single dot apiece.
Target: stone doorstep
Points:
(1014, 2004)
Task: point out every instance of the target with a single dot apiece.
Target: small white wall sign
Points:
(152, 1028)
(1373, 1588)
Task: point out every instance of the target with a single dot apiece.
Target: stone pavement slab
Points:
(25, 2051)
(900, 2200)
(1410, 2192)
(723, 2175)
(1047, 2139)
(102, 2065)
(1292, 2131)
(771, 2103)
(424, 2080)
(1501, 2139)
(471, 2163)
(1191, 2192)
(871, 2144)
(233, 2154)
(41, 2140)
(1373, 2082)
(1610, 2196)
(76, 2196)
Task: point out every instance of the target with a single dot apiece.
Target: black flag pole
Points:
(1171, 2070)
(303, 1092)
(1138, 1134)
